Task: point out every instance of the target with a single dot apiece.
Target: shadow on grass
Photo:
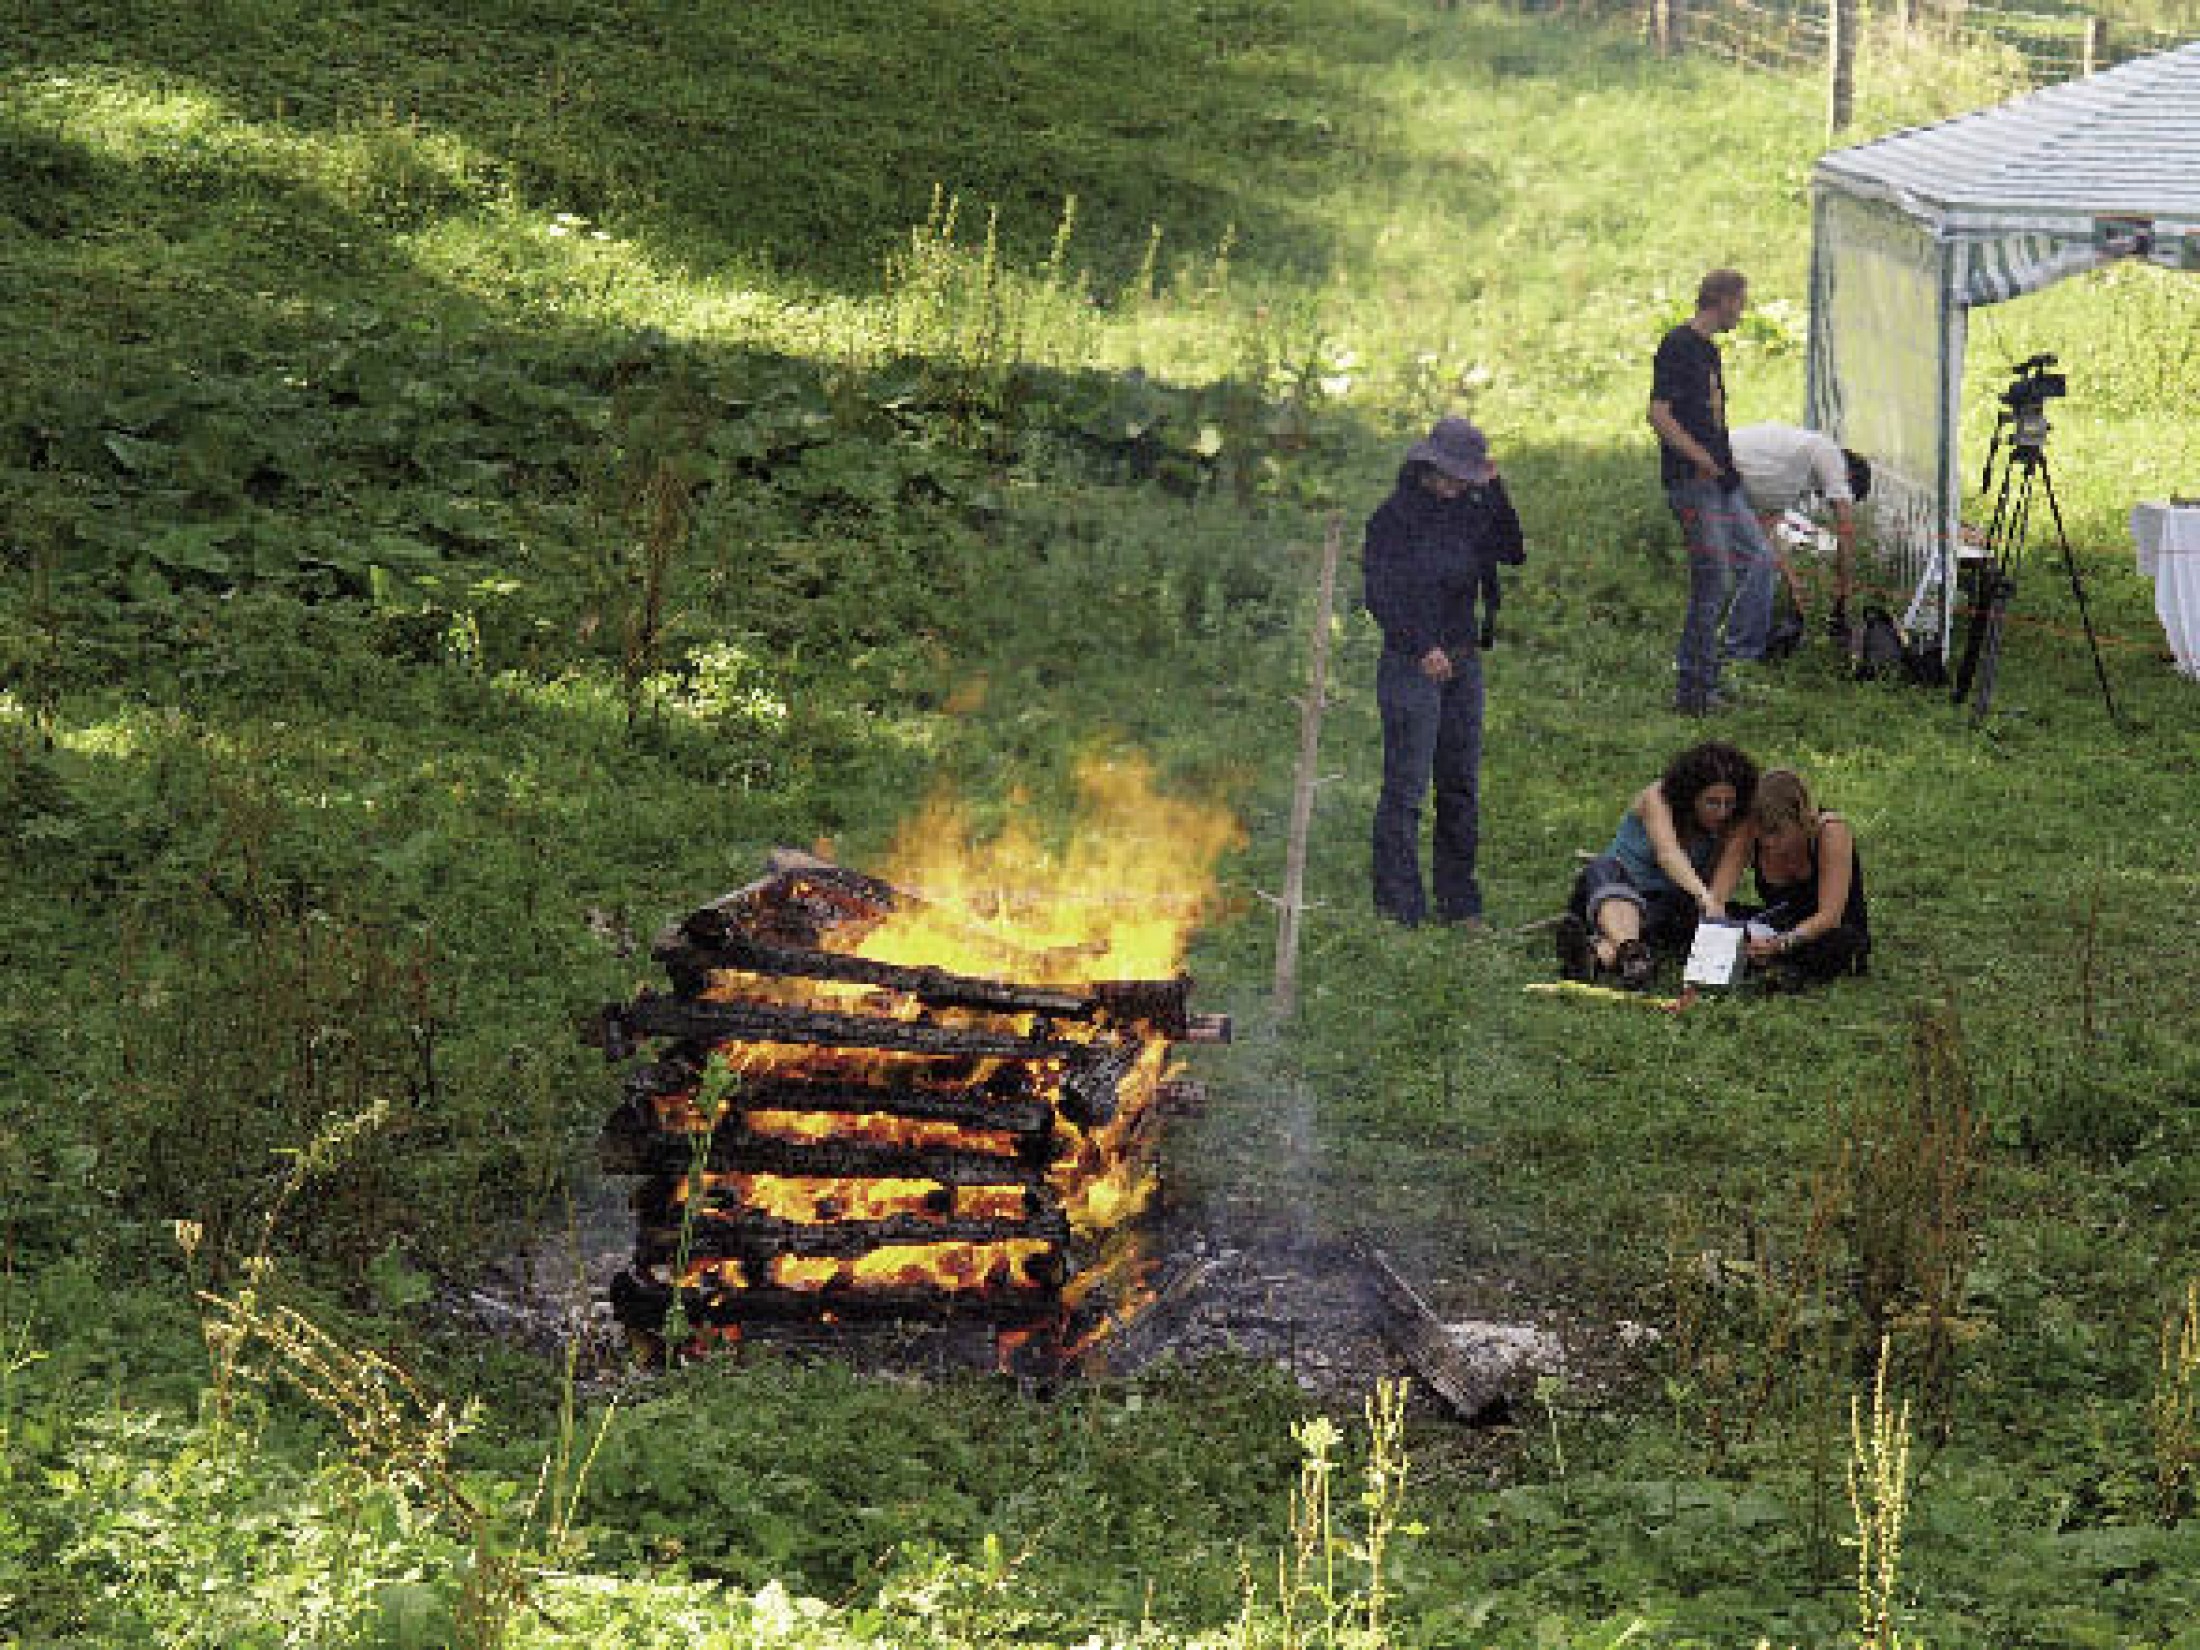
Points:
(805, 138)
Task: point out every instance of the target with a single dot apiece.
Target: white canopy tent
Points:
(1912, 232)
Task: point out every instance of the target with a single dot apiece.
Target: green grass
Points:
(339, 342)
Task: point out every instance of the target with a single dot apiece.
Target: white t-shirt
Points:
(1780, 463)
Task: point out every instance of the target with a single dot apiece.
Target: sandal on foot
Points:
(1634, 963)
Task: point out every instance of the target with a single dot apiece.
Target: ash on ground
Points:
(1305, 1304)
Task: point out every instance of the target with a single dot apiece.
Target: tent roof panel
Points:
(2125, 141)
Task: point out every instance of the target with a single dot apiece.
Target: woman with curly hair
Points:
(1678, 837)
(1811, 881)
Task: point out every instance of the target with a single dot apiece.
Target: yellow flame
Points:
(1118, 900)
(809, 1128)
(952, 1268)
(814, 1199)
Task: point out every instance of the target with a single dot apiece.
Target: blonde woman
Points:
(1810, 879)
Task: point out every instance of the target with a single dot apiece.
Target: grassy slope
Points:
(313, 261)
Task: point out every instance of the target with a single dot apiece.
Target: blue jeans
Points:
(1432, 734)
(1731, 575)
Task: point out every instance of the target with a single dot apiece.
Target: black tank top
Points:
(1794, 901)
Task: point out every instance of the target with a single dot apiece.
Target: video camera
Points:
(2023, 419)
(2032, 386)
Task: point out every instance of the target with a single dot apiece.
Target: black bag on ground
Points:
(1880, 650)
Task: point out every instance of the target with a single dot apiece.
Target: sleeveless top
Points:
(1631, 847)
(1798, 899)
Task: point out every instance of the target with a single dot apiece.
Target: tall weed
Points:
(2173, 1412)
(252, 1015)
(1333, 1585)
(1914, 1153)
(1879, 1497)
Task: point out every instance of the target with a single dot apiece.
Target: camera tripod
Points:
(2023, 472)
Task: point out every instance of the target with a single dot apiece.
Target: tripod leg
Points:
(1990, 623)
(1980, 593)
(2077, 591)
(2004, 531)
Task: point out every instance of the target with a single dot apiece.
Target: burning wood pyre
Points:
(866, 1138)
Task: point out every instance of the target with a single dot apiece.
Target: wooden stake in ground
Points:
(1293, 903)
(1840, 65)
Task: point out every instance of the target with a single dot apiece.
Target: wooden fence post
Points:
(1669, 26)
(2096, 44)
(1840, 65)
(1293, 902)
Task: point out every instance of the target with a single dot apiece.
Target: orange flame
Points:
(1117, 901)
(951, 1268)
(805, 1128)
(819, 1199)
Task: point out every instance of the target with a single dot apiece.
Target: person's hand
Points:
(1706, 470)
(1436, 665)
(1713, 908)
(1763, 950)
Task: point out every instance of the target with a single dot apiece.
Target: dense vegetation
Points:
(472, 487)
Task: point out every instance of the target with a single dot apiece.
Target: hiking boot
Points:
(1634, 964)
(1577, 953)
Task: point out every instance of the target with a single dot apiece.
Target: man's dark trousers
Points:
(1432, 734)
(1729, 562)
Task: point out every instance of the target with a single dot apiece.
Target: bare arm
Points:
(1726, 876)
(1836, 870)
(1665, 843)
(1844, 551)
(1676, 437)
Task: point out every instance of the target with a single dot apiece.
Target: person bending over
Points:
(1781, 466)
(1646, 891)
(1811, 881)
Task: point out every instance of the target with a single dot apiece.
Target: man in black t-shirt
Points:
(1730, 566)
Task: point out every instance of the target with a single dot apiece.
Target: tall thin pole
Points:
(1293, 903)
(1840, 65)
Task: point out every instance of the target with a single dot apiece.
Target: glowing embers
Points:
(872, 1128)
(819, 1200)
(831, 1133)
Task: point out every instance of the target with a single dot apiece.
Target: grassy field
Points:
(472, 488)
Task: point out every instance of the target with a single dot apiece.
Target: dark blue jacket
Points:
(1426, 558)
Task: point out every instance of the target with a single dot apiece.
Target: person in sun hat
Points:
(1432, 547)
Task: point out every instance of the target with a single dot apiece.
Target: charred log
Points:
(651, 1014)
(750, 1237)
(734, 1150)
(936, 987)
(1090, 1088)
(1472, 1392)
(977, 1108)
(1159, 1004)
(798, 905)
